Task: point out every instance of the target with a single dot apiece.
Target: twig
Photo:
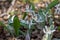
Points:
(11, 7)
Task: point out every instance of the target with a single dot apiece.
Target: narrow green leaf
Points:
(25, 14)
(16, 25)
(1, 23)
(33, 7)
(59, 28)
(52, 4)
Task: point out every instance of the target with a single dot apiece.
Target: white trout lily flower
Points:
(30, 23)
(47, 30)
(38, 18)
(11, 19)
(57, 10)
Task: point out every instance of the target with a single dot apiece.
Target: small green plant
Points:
(14, 23)
(13, 26)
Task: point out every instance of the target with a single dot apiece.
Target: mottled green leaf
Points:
(16, 25)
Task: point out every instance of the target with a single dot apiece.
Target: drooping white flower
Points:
(57, 9)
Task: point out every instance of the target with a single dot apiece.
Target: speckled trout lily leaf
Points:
(16, 25)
